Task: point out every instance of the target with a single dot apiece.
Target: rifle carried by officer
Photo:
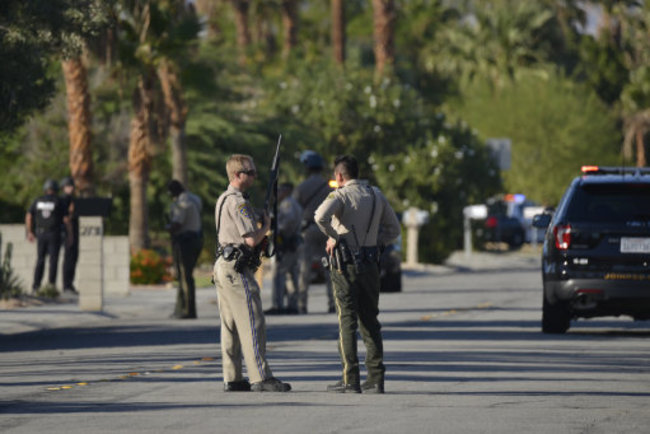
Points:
(268, 246)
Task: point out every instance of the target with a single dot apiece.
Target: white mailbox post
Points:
(471, 212)
(413, 218)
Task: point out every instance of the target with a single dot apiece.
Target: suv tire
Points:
(556, 318)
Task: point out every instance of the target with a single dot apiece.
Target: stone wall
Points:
(115, 253)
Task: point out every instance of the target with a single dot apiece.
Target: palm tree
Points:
(79, 124)
(243, 31)
(290, 26)
(501, 37)
(338, 31)
(139, 159)
(177, 111)
(384, 16)
(635, 97)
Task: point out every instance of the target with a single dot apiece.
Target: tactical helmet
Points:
(67, 181)
(50, 184)
(175, 188)
(312, 160)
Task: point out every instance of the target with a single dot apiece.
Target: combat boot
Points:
(237, 386)
(341, 387)
(270, 385)
(374, 387)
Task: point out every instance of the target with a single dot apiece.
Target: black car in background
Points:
(596, 255)
(504, 222)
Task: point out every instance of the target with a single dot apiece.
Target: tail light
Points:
(562, 234)
(491, 222)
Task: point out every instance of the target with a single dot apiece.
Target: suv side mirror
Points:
(541, 221)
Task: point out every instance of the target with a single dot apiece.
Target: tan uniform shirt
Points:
(237, 217)
(186, 211)
(310, 194)
(349, 209)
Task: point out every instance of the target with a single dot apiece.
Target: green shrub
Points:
(149, 267)
(9, 283)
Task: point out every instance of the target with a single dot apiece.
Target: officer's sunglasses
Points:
(249, 172)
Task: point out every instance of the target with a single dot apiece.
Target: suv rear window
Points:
(598, 203)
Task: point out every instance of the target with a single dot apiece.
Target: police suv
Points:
(596, 256)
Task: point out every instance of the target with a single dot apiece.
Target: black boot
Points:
(372, 387)
(341, 387)
(237, 386)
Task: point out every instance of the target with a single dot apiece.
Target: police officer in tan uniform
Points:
(243, 332)
(358, 221)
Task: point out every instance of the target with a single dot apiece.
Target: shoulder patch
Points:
(332, 195)
(244, 210)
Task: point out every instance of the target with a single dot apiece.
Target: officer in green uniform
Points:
(358, 221)
(243, 331)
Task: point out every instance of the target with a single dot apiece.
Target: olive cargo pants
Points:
(357, 305)
(243, 332)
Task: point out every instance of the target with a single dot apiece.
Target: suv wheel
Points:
(556, 318)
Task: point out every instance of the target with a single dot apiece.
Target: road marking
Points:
(126, 376)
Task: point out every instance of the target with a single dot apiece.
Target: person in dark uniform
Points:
(309, 194)
(358, 221)
(71, 237)
(43, 223)
(187, 242)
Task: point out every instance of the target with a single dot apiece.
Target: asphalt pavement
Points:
(152, 302)
(463, 350)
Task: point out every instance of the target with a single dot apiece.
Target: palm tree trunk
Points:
(383, 33)
(79, 125)
(177, 109)
(209, 9)
(243, 32)
(290, 25)
(338, 31)
(640, 149)
(140, 157)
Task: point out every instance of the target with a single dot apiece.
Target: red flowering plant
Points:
(148, 267)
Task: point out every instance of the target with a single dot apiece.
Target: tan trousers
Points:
(243, 332)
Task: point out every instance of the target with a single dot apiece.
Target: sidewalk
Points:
(155, 303)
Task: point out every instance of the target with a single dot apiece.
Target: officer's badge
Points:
(245, 210)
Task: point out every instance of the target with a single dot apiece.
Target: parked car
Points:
(596, 255)
(504, 222)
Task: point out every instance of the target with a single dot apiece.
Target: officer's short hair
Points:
(175, 187)
(347, 166)
(236, 163)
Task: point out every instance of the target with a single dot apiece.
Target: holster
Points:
(244, 257)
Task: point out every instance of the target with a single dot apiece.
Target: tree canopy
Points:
(241, 72)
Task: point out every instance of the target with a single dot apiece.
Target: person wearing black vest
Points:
(43, 223)
(71, 237)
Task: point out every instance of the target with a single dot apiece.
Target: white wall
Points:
(115, 261)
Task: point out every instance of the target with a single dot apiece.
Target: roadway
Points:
(463, 350)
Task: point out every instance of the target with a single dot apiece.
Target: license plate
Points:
(635, 245)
